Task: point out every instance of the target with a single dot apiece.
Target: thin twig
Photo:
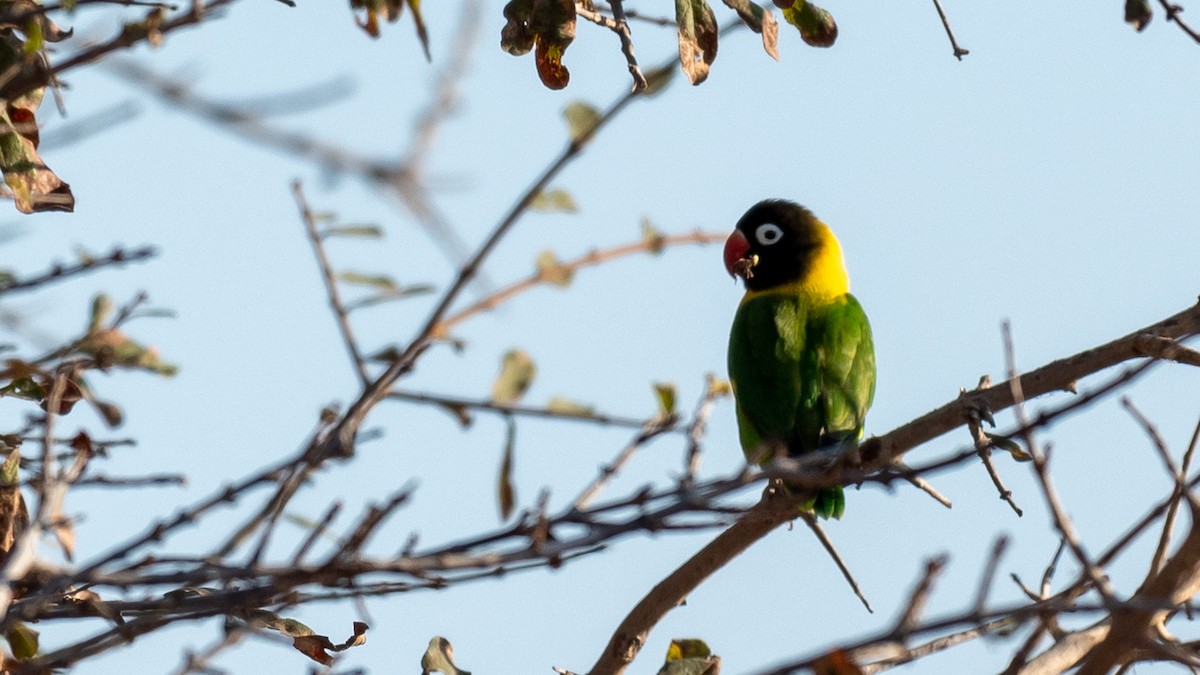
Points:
(457, 404)
(619, 24)
(827, 544)
(118, 256)
(1179, 490)
(651, 245)
(320, 528)
(1172, 11)
(989, 573)
(697, 427)
(652, 429)
(340, 443)
(911, 616)
(331, 287)
(959, 52)
(921, 484)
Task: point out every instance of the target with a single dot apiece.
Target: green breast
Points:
(803, 373)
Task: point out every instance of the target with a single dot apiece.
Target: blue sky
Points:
(1049, 179)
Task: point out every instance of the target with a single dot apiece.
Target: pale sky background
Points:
(1050, 178)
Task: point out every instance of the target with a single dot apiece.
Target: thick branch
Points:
(630, 636)
(1060, 375)
(1157, 340)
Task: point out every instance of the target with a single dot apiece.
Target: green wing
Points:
(803, 375)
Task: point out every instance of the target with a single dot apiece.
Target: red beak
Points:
(736, 247)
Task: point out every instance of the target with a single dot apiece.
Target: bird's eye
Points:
(768, 234)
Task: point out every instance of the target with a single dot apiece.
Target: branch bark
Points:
(1159, 340)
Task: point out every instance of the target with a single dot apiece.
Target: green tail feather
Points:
(830, 503)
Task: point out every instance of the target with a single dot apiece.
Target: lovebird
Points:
(801, 356)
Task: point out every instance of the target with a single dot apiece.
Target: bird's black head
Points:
(777, 242)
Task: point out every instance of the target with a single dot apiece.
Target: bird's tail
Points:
(830, 502)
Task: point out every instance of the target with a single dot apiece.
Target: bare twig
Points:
(989, 573)
(321, 527)
(651, 430)
(827, 544)
(921, 484)
(1173, 11)
(619, 25)
(331, 287)
(117, 257)
(16, 83)
(340, 442)
(959, 52)
(455, 404)
(911, 616)
(591, 259)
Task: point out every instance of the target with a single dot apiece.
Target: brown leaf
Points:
(760, 21)
(23, 640)
(14, 516)
(551, 270)
(64, 532)
(317, 647)
(516, 37)
(314, 646)
(71, 394)
(553, 25)
(697, 38)
(33, 186)
(82, 444)
(506, 492)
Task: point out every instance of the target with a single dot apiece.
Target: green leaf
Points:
(10, 469)
(658, 79)
(552, 271)
(357, 231)
(380, 282)
(817, 27)
(102, 307)
(717, 387)
(439, 658)
(653, 237)
(665, 393)
(1138, 14)
(23, 640)
(556, 200)
(1010, 446)
(690, 656)
(506, 492)
(566, 406)
(422, 33)
(760, 21)
(389, 296)
(24, 388)
(582, 119)
(516, 374)
(697, 38)
(34, 40)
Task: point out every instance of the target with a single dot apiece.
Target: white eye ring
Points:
(768, 234)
